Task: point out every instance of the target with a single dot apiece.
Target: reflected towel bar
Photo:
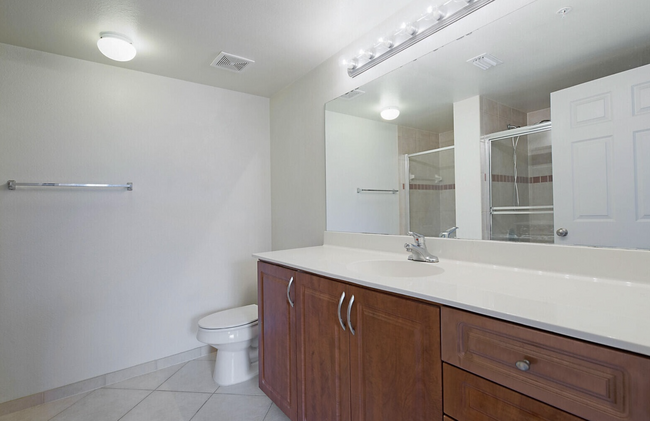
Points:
(521, 210)
(359, 190)
(11, 184)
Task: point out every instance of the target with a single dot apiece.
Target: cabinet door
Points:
(323, 369)
(277, 345)
(394, 358)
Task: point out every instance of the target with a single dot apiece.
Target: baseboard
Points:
(101, 381)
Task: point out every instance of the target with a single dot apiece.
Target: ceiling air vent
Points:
(352, 94)
(231, 62)
(485, 61)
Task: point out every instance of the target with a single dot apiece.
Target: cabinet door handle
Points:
(288, 290)
(339, 313)
(349, 313)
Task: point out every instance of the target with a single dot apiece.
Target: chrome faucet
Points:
(447, 233)
(419, 252)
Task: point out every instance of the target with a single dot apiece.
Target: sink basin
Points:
(395, 268)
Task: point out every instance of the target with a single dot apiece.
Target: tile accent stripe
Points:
(501, 178)
(432, 186)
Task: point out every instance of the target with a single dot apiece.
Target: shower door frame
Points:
(507, 134)
(407, 184)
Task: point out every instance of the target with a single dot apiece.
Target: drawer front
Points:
(591, 381)
(471, 398)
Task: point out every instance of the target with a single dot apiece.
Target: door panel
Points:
(277, 347)
(323, 357)
(600, 161)
(394, 358)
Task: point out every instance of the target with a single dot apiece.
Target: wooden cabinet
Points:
(277, 345)
(395, 366)
(331, 351)
(591, 381)
(383, 363)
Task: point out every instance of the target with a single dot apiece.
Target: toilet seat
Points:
(228, 319)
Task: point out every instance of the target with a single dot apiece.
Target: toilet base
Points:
(232, 367)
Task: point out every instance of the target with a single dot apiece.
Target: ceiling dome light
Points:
(390, 113)
(116, 47)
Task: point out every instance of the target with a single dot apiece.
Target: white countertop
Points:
(605, 311)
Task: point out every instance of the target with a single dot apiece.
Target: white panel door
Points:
(601, 161)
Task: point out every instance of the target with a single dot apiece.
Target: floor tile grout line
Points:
(70, 406)
(132, 408)
(172, 375)
(201, 407)
(267, 411)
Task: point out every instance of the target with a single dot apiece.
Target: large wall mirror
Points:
(544, 138)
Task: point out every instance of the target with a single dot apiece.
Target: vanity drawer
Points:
(471, 398)
(587, 380)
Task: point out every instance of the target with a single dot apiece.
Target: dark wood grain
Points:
(471, 398)
(323, 351)
(277, 345)
(588, 380)
(395, 358)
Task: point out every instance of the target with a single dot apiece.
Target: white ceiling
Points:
(179, 39)
(542, 53)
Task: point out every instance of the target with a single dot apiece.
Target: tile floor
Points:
(180, 393)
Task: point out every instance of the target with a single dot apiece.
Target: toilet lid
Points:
(233, 317)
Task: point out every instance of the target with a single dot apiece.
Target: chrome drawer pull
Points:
(339, 314)
(349, 312)
(523, 365)
(288, 290)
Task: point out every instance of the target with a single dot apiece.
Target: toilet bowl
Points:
(234, 334)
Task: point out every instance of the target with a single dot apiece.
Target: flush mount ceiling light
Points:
(390, 113)
(435, 18)
(115, 46)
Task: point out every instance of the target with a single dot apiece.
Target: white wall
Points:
(469, 171)
(297, 123)
(96, 281)
(361, 153)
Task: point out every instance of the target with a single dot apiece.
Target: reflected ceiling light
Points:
(115, 46)
(390, 113)
(435, 18)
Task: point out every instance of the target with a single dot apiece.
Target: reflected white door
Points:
(601, 161)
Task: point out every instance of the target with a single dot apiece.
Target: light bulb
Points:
(412, 29)
(435, 13)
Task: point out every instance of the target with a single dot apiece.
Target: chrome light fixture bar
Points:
(411, 33)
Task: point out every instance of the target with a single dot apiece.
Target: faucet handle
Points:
(419, 238)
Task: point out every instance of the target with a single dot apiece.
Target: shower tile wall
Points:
(446, 139)
(495, 117)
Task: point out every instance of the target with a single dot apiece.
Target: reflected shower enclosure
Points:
(431, 191)
(521, 185)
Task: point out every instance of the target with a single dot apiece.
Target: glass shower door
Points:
(521, 187)
(431, 191)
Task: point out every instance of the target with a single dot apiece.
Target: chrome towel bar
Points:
(359, 190)
(12, 184)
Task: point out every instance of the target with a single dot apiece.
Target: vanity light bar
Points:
(435, 19)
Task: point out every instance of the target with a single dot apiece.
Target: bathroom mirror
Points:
(390, 177)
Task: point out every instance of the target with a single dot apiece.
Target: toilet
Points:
(234, 334)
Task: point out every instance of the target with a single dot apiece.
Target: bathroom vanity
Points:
(340, 344)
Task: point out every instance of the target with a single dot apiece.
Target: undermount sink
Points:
(395, 268)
